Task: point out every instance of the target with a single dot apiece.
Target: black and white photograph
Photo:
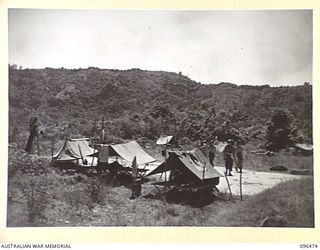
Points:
(160, 118)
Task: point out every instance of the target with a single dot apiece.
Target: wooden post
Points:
(241, 185)
(102, 132)
(94, 126)
(134, 169)
(94, 151)
(102, 125)
(161, 176)
(165, 160)
(203, 174)
(135, 185)
(38, 146)
(52, 149)
(204, 170)
(228, 185)
(81, 155)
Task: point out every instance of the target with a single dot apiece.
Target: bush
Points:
(280, 131)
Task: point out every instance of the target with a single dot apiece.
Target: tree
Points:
(13, 66)
(280, 131)
(33, 127)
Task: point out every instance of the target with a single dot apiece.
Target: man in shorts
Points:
(229, 157)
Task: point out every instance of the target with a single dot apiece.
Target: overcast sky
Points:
(242, 47)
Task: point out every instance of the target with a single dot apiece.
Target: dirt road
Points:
(253, 182)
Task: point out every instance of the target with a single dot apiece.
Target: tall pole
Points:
(102, 133)
(135, 188)
(81, 155)
(94, 151)
(204, 170)
(228, 185)
(134, 169)
(165, 160)
(94, 126)
(52, 150)
(241, 185)
(203, 173)
(38, 146)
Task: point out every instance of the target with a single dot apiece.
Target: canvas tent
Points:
(74, 150)
(305, 149)
(163, 140)
(188, 167)
(130, 150)
(118, 158)
(192, 177)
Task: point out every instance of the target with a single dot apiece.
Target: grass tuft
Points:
(292, 201)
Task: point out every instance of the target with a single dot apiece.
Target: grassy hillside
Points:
(40, 195)
(144, 104)
(288, 204)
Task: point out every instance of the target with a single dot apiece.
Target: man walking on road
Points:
(229, 157)
(239, 157)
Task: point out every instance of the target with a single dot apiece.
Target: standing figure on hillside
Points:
(136, 185)
(239, 157)
(102, 136)
(136, 189)
(34, 131)
(228, 157)
(212, 154)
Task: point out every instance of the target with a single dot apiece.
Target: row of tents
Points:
(186, 169)
(81, 153)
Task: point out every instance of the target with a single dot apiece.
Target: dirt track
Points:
(253, 182)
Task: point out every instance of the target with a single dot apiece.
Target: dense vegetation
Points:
(40, 195)
(144, 104)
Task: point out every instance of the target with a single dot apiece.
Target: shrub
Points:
(37, 202)
(280, 131)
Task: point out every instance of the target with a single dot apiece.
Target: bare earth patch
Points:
(253, 182)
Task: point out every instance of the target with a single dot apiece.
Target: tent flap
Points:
(307, 147)
(160, 169)
(130, 150)
(220, 146)
(194, 161)
(73, 149)
(163, 140)
(197, 164)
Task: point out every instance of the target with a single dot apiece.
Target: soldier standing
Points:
(212, 154)
(239, 157)
(229, 157)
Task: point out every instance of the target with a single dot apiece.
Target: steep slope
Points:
(145, 103)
